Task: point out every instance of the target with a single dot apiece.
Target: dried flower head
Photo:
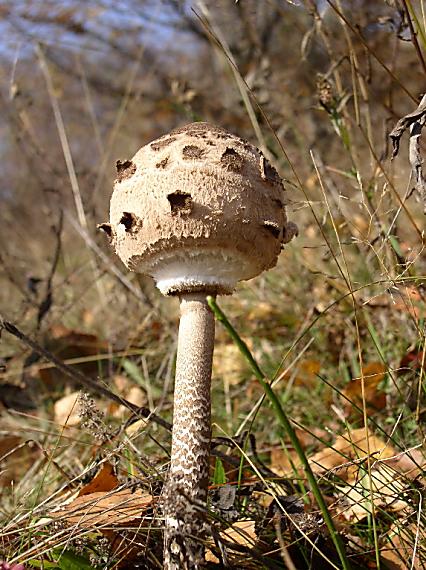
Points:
(92, 419)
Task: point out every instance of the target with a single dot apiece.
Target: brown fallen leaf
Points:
(404, 300)
(399, 549)
(284, 462)
(105, 480)
(262, 499)
(100, 505)
(229, 364)
(16, 457)
(78, 348)
(306, 373)
(382, 489)
(411, 463)
(128, 390)
(17, 397)
(375, 398)
(261, 312)
(412, 360)
(8, 444)
(66, 410)
(113, 508)
(241, 533)
(412, 302)
(354, 444)
(415, 121)
(137, 427)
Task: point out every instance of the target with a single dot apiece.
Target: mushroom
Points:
(198, 209)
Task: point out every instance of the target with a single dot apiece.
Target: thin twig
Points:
(62, 137)
(46, 303)
(414, 36)
(80, 379)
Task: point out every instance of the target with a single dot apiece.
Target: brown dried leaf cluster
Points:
(101, 503)
(106, 509)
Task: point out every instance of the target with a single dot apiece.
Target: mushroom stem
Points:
(186, 489)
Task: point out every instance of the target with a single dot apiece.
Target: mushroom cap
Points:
(198, 209)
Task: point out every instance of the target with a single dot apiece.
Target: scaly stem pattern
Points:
(185, 491)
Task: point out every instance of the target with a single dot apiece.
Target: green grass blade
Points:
(286, 425)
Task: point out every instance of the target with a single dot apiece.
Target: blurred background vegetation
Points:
(318, 86)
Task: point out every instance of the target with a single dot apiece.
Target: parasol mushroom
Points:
(198, 209)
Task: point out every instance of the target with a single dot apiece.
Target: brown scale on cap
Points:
(268, 172)
(232, 160)
(180, 203)
(130, 222)
(125, 169)
(107, 229)
(202, 130)
(199, 189)
(162, 163)
(161, 143)
(273, 228)
(192, 151)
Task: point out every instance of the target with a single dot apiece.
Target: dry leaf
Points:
(412, 302)
(100, 505)
(413, 360)
(229, 363)
(405, 300)
(113, 508)
(9, 444)
(241, 533)
(261, 312)
(361, 226)
(66, 410)
(66, 340)
(399, 550)
(70, 345)
(263, 499)
(382, 489)
(411, 463)
(253, 391)
(128, 390)
(306, 373)
(88, 317)
(17, 397)
(415, 121)
(355, 444)
(284, 462)
(105, 480)
(16, 457)
(136, 427)
(135, 396)
(375, 398)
